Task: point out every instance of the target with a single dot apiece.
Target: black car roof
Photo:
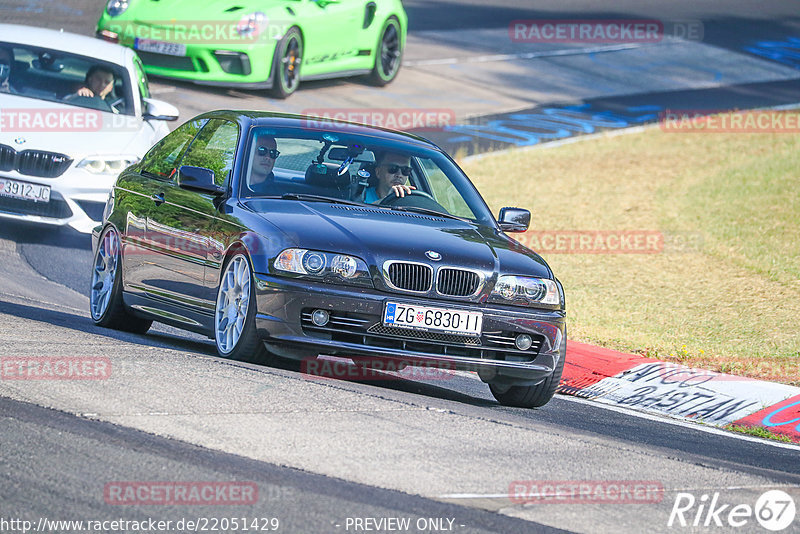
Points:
(289, 120)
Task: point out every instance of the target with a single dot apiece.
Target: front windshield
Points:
(300, 163)
(58, 76)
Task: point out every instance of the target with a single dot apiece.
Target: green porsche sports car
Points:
(260, 44)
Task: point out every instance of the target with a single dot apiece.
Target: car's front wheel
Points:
(286, 64)
(234, 314)
(105, 295)
(532, 396)
(388, 54)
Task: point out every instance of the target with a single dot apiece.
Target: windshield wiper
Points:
(427, 211)
(313, 198)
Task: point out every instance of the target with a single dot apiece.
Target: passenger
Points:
(261, 177)
(391, 174)
(6, 62)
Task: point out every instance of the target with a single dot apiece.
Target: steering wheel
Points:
(115, 103)
(391, 199)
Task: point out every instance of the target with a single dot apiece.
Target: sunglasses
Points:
(394, 169)
(273, 153)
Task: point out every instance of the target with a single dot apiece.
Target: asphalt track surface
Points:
(323, 452)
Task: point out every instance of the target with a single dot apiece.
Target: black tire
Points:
(532, 396)
(388, 54)
(113, 314)
(248, 347)
(286, 64)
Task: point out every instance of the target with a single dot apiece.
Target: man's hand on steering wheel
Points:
(401, 190)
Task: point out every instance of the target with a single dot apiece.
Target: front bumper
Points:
(77, 199)
(244, 65)
(356, 330)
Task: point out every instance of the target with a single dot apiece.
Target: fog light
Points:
(523, 342)
(320, 317)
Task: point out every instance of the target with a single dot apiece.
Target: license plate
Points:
(24, 190)
(160, 47)
(430, 318)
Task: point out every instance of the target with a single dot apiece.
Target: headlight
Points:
(107, 165)
(325, 266)
(116, 8)
(250, 26)
(526, 291)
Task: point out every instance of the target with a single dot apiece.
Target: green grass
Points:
(758, 432)
(725, 291)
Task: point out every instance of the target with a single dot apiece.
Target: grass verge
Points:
(722, 293)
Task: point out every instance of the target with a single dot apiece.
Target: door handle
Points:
(158, 198)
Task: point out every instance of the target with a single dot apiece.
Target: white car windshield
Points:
(58, 76)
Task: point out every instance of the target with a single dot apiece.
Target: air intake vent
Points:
(457, 282)
(415, 277)
(34, 162)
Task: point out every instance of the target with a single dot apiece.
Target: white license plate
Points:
(160, 47)
(429, 318)
(24, 190)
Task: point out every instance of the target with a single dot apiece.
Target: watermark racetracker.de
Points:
(55, 368)
(50, 119)
(721, 121)
(608, 31)
(419, 119)
(609, 241)
(171, 493)
(585, 491)
(369, 369)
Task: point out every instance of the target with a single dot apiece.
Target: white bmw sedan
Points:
(74, 112)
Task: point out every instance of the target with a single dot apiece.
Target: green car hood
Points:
(161, 12)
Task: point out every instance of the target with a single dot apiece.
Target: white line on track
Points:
(522, 55)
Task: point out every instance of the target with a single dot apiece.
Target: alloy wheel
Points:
(233, 301)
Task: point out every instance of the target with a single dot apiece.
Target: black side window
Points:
(162, 160)
(215, 149)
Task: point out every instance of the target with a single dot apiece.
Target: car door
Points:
(182, 227)
(139, 195)
(329, 32)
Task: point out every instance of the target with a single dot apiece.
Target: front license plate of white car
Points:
(24, 190)
(160, 47)
(429, 318)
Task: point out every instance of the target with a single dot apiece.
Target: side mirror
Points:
(514, 219)
(158, 110)
(198, 179)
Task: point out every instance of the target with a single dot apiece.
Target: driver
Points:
(99, 82)
(262, 179)
(392, 171)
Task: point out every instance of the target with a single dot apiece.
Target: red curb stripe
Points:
(782, 418)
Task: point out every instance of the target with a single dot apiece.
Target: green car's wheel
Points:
(286, 64)
(388, 54)
(105, 295)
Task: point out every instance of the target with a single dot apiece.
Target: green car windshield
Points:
(302, 164)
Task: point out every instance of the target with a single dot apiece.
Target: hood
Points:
(377, 235)
(33, 124)
(155, 12)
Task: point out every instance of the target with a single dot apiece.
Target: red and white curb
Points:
(675, 390)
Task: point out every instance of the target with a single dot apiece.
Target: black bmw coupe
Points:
(284, 236)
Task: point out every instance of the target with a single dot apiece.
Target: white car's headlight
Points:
(251, 26)
(116, 8)
(327, 266)
(526, 291)
(107, 164)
